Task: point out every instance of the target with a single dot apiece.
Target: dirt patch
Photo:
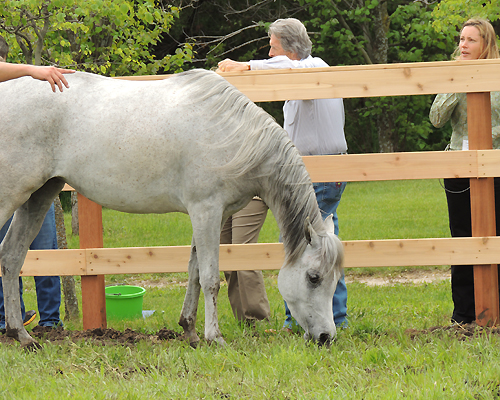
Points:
(417, 276)
(104, 337)
(112, 337)
(460, 331)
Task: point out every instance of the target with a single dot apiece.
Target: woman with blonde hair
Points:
(477, 41)
(489, 47)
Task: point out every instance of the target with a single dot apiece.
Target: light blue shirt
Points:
(316, 127)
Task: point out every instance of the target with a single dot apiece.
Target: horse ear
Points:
(330, 227)
(310, 233)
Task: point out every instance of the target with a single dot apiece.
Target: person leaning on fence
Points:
(316, 127)
(48, 288)
(477, 41)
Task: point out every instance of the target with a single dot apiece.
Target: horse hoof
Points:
(193, 340)
(219, 341)
(31, 347)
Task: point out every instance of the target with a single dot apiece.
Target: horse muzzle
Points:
(323, 339)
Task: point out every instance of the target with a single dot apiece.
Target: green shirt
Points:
(454, 106)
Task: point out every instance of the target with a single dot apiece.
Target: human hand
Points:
(228, 65)
(53, 75)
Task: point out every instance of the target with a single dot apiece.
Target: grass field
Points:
(375, 358)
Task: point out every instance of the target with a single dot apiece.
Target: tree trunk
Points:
(68, 282)
(75, 222)
(380, 46)
(385, 131)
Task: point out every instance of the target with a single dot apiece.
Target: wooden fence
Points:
(480, 163)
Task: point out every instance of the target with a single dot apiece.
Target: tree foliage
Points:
(344, 32)
(449, 15)
(110, 37)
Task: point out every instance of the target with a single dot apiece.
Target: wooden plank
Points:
(175, 258)
(417, 252)
(93, 296)
(488, 163)
(54, 263)
(483, 210)
(392, 166)
(364, 80)
(264, 256)
(368, 81)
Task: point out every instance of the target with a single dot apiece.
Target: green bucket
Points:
(124, 302)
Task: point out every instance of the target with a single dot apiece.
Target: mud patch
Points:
(98, 336)
(460, 331)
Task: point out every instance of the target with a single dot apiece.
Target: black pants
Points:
(462, 276)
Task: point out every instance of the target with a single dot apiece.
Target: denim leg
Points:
(48, 288)
(328, 196)
(48, 297)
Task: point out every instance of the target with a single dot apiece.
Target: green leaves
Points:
(109, 37)
(449, 15)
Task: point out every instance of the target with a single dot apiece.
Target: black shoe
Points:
(29, 317)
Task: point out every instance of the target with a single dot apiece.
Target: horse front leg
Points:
(13, 320)
(13, 251)
(23, 229)
(190, 307)
(206, 232)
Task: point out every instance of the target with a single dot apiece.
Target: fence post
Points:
(483, 209)
(93, 297)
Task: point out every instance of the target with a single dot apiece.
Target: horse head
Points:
(308, 284)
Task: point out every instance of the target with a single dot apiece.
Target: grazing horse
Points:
(191, 143)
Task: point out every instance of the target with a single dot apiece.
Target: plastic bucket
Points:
(124, 301)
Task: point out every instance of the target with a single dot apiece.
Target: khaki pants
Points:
(246, 290)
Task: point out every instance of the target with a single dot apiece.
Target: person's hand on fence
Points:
(228, 65)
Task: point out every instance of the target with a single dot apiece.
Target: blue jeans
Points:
(328, 195)
(48, 288)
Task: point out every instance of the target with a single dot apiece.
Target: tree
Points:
(109, 37)
(228, 28)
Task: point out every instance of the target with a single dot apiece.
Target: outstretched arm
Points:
(228, 65)
(52, 75)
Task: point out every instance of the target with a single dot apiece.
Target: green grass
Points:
(375, 358)
(393, 210)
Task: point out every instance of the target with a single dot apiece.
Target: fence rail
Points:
(480, 163)
(262, 256)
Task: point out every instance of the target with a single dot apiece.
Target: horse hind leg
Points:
(190, 307)
(24, 227)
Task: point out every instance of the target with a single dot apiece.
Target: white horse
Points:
(191, 143)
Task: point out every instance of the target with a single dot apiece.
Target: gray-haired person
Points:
(316, 127)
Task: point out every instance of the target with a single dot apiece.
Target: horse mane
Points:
(289, 191)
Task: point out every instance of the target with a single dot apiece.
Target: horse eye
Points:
(314, 277)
